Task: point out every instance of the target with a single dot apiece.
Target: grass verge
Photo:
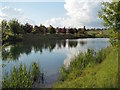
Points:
(90, 71)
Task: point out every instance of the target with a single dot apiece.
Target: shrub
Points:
(82, 61)
(100, 56)
(21, 77)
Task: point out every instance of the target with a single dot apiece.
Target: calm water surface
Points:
(51, 55)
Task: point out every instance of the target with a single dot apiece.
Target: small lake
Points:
(51, 55)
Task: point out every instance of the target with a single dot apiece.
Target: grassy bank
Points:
(98, 33)
(89, 71)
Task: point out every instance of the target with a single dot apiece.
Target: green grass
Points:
(98, 33)
(21, 77)
(101, 74)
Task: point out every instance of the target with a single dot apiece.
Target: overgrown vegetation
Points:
(91, 70)
(84, 60)
(110, 13)
(21, 77)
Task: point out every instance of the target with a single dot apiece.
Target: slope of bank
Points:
(101, 75)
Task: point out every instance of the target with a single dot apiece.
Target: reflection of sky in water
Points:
(51, 62)
(95, 44)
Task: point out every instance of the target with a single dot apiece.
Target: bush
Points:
(84, 60)
(21, 77)
(100, 56)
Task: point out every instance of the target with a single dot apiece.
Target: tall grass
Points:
(21, 77)
(91, 70)
(82, 61)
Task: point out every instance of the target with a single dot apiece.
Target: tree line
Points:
(14, 30)
(15, 27)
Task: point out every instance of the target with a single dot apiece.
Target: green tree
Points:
(3, 29)
(42, 29)
(15, 26)
(51, 29)
(36, 29)
(3, 25)
(110, 13)
(27, 28)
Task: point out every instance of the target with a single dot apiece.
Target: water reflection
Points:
(14, 51)
(50, 54)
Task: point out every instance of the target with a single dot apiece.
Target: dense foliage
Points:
(110, 13)
(21, 77)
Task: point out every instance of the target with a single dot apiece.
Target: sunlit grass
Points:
(103, 73)
(98, 33)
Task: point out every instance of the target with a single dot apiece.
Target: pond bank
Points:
(30, 36)
(94, 75)
(51, 55)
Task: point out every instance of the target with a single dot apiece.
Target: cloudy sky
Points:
(69, 13)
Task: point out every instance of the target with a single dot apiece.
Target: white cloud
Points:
(79, 13)
(9, 13)
(26, 19)
(55, 22)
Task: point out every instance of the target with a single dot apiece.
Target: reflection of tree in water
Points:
(5, 54)
(63, 43)
(82, 43)
(26, 47)
(15, 51)
(72, 43)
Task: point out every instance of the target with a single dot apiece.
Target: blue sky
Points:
(68, 13)
(32, 0)
(39, 11)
